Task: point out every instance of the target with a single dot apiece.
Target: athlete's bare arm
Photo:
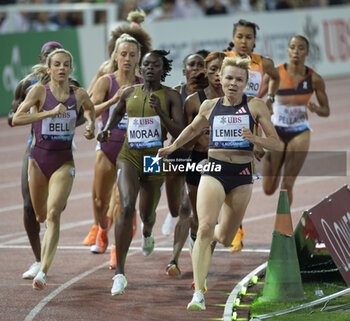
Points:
(321, 95)
(262, 116)
(20, 95)
(174, 123)
(192, 130)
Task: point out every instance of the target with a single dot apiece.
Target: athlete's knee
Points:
(185, 209)
(53, 215)
(40, 215)
(269, 188)
(288, 183)
(128, 209)
(205, 230)
(225, 240)
(100, 204)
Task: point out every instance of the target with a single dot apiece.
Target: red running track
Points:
(79, 282)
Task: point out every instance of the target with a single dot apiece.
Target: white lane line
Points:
(64, 286)
(73, 197)
(131, 248)
(36, 310)
(67, 226)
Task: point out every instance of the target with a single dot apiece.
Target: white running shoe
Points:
(168, 224)
(147, 245)
(257, 176)
(32, 271)
(119, 284)
(197, 303)
(39, 282)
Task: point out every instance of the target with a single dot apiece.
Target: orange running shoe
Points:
(237, 243)
(101, 242)
(172, 269)
(90, 239)
(113, 258)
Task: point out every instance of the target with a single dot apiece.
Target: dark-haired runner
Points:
(153, 110)
(242, 45)
(297, 84)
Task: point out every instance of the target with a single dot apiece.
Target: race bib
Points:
(227, 131)
(123, 123)
(293, 118)
(60, 127)
(144, 132)
(254, 84)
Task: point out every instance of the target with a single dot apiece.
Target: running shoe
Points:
(172, 269)
(257, 176)
(32, 271)
(119, 284)
(39, 282)
(147, 245)
(113, 258)
(90, 239)
(205, 288)
(197, 303)
(101, 242)
(237, 243)
(168, 224)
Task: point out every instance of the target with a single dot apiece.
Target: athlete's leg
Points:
(32, 226)
(233, 210)
(60, 186)
(296, 153)
(104, 178)
(39, 190)
(150, 191)
(211, 196)
(272, 165)
(128, 185)
(193, 199)
(178, 200)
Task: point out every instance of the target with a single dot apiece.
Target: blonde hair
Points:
(40, 70)
(243, 63)
(112, 64)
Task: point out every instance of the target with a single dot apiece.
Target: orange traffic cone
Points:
(283, 279)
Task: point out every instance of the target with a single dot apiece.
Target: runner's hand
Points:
(247, 135)
(165, 151)
(103, 136)
(90, 131)
(59, 110)
(154, 102)
(312, 107)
